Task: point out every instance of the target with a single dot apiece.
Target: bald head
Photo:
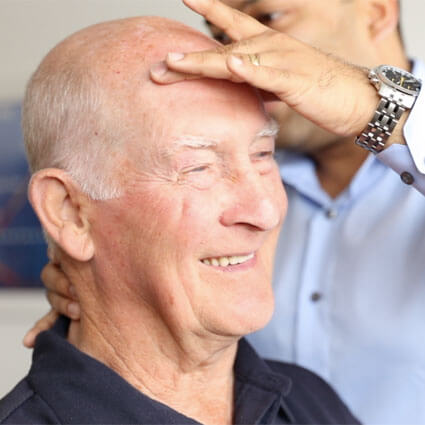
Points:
(79, 102)
(192, 164)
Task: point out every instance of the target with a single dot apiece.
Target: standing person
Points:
(349, 281)
(348, 275)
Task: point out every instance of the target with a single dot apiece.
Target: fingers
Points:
(55, 280)
(213, 63)
(221, 71)
(60, 293)
(192, 66)
(45, 323)
(61, 296)
(161, 74)
(53, 255)
(210, 64)
(65, 306)
(235, 24)
(331, 106)
(279, 81)
(207, 64)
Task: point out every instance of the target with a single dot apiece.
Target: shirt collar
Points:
(298, 171)
(80, 389)
(250, 367)
(259, 391)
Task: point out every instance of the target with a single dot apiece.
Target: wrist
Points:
(397, 136)
(397, 90)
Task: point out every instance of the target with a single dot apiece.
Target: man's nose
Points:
(256, 202)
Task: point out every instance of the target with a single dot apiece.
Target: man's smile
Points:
(226, 261)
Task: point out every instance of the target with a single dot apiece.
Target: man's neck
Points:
(337, 164)
(189, 374)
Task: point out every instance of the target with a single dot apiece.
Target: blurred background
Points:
(28, 30)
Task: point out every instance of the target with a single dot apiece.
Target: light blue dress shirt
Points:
(350, 281)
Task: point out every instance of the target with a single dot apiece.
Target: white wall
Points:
(18, 311)
(28, 29)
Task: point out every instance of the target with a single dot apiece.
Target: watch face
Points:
(400, 79)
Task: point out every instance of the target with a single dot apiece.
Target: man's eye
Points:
(264, 155)
(267, 18)
(198, 169)
(219, 36)
(222, 38)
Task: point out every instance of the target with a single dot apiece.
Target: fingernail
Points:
(175, 57)
(236, 60)
(74, 310)
(72, 291)
(159, 69)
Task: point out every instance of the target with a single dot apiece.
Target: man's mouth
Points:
(232, 260)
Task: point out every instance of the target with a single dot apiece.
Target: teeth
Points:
(225, 261)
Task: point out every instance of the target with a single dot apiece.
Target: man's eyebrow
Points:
(195, 142)
(188, 141)
(271, 129)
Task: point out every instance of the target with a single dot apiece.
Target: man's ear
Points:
(382, 18)
(62, 211)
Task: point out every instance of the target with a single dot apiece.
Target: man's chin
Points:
(255, 317)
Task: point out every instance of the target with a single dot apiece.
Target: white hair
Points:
(65, 126)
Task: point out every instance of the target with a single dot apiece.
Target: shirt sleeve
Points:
(399, 158)
(409, 161)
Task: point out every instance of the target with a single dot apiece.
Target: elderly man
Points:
(349, 274)
(163, 204)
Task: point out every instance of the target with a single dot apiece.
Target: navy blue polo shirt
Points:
(66, 386)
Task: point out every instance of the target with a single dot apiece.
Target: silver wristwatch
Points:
(398, 90)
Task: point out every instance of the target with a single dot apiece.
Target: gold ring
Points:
(254, 59)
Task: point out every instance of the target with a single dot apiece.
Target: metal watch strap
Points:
(379, 129)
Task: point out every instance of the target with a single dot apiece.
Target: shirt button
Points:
(331, 213)
(316, 296)
(407, 178)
